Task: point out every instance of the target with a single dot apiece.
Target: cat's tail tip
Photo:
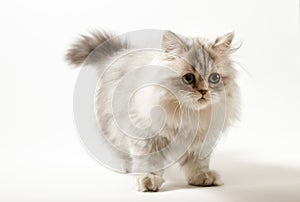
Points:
(80, 50)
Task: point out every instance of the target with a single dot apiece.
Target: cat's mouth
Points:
(202, 100)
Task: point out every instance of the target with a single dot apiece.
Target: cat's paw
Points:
(149, 182)
(206, 178)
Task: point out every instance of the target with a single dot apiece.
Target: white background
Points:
(41, 157)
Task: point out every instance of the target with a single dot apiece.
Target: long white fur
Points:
(177, 112)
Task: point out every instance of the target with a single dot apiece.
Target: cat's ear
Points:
(223, 43)
(171, 43)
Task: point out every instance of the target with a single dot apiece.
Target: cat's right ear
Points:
(171, 43)
(223, 45)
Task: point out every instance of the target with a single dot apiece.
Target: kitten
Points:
(194, 76)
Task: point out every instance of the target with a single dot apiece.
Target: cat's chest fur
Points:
(179, 124)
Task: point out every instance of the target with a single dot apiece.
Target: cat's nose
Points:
(202, 91)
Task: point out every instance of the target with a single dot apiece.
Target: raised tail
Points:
(86, 44)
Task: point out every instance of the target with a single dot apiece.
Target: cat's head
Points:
(203, 67)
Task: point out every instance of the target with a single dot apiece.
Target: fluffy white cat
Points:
(192, 81)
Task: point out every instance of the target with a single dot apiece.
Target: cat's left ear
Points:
(171, 43)
(223, 43)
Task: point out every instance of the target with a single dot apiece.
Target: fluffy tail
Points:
(80, 50)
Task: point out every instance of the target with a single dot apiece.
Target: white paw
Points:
(208, 178)
(149, 182)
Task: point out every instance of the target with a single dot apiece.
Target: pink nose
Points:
(203, 92)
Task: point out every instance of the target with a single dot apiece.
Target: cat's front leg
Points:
(197, 172)
(147, 180)
(150, 181)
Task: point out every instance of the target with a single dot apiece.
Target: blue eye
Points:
(214, 78)
(188, 78)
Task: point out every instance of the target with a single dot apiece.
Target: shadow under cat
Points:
(244, 181)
